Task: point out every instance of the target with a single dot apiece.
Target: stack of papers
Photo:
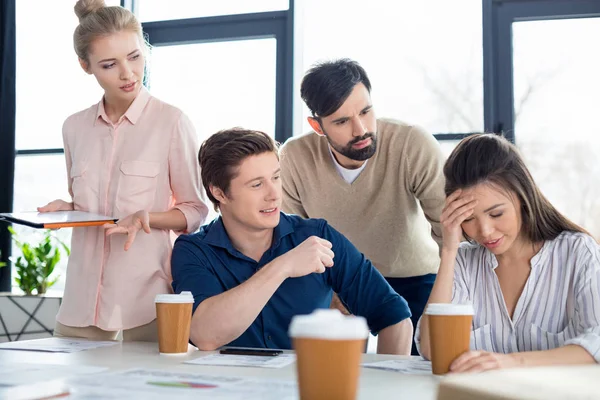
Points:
(40, 390)
(56, 345)
(229, 360)
(13, 374)
(141, 383)
(414, 366)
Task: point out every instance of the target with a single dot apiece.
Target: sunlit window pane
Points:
(556, 66)
(424, 58)
(50, 83)
(217, 85)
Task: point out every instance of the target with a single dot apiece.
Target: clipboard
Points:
(57, 219)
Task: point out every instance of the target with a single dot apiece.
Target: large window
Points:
(546, 57)
(224, 71)
(527, 68)
(556, 85)
(50, 86)
(216, 85)
(50, 82)
(424, 58)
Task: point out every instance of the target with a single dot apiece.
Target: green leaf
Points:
(51, 264)
(52, 282)
(62, 244)
(37, 262)
(13, 235)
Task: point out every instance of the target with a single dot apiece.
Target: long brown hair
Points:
(489, 158)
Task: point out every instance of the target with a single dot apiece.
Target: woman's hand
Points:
(56, 205)
(457, 209)
(130, 226)
(479, 361)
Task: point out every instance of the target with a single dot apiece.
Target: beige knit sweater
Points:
(391, 211)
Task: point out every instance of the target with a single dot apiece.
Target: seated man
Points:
(253, 268)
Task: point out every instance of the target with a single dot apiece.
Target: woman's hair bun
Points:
(85, 7)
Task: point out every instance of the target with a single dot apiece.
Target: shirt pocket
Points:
(544, 340)
(481, 338)
(84, 188)
(137, 186)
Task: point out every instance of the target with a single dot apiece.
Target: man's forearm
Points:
(396, 339)
(221, 319)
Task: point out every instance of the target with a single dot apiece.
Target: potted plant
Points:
(36, 264)
(32, 314)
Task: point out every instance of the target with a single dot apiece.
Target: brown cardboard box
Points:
(547, 383)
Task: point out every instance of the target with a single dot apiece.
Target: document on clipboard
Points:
(57, 219)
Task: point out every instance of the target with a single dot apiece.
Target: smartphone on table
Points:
(250, 352)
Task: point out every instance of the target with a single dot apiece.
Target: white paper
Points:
(141, 383)
(22, 374)
(233, 360)
(39, 390)
(414, 366)
(55, 345)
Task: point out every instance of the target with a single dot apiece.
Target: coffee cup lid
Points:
(449, 309)
(328, 324)
(183, 297)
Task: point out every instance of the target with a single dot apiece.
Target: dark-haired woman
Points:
(532, 275)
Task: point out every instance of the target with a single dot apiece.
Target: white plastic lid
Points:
(449, 309)
(328, 324)
(183, 297)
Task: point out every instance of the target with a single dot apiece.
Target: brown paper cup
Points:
(328, 348)
(174, 318)
(449, 333)
(328, 369)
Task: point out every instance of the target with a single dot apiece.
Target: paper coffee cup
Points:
(449, 333)
(174, 318)
(328, 348)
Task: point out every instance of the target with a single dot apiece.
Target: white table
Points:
(374, 384)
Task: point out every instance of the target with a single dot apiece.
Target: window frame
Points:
(497, 19)
(273, 24)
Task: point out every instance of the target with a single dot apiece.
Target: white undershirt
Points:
(349, 175)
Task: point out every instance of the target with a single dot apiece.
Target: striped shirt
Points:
(559, 305)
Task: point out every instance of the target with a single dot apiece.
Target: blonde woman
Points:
(133, 157)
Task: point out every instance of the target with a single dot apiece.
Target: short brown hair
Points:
(224, 151)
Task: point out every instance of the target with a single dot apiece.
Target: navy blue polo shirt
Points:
(207, 264)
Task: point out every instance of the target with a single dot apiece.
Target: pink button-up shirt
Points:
(146, 161)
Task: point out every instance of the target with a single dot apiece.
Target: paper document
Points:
(56, 345)
(34, 391)
(414, 366)
(230, 360)
(22, 374)
(141, 383)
